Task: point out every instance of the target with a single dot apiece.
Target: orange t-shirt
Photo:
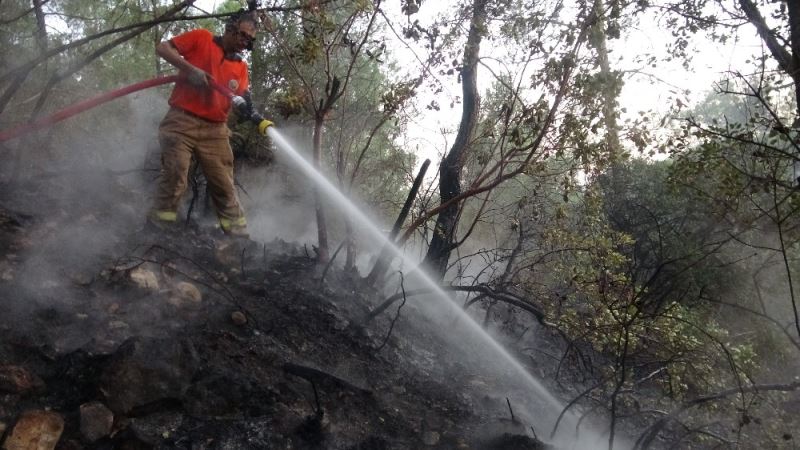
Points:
(198, 48)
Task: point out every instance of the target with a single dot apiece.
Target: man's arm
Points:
(195, 75)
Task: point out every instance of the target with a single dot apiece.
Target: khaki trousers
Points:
(183, 135)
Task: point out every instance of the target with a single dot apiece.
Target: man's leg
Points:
(176, 156)
(216, 158)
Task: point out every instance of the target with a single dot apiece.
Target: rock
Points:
(144, 278)
(36, 430)
(18, 380)
(3, 427)
(229, 254)
(145, 370)
(189, 292)
(117, 325)
(238, 318)
(96, 421)
(184, 295)
(430, 438)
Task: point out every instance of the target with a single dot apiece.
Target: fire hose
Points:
(80, 107)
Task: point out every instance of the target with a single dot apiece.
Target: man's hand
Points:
(240, 104)
(198, 78)
(263, 125)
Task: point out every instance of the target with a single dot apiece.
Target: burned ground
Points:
(184, 339)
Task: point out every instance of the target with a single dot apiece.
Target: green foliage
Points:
(618, 292)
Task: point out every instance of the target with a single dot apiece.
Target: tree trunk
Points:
(788, 61)
(384, 257)
(323, 254)
(609, 91)
(350, 245)
(450, 170)
(349, 238)
(41, 26)
(156, 37)
(794, 40)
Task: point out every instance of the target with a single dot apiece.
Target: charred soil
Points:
(185, 339)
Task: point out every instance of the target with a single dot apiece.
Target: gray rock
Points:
(144, 278)
(96, 421)
(189, 292)
(145, 370)
(238, 318)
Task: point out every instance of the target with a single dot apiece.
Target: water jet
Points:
(548, 407)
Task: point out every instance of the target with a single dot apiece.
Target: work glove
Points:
(198, 78)
(239, 103)
(263, 125)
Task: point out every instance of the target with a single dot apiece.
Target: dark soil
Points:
(270, 355)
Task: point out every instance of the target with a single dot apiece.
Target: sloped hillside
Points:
(116, 336)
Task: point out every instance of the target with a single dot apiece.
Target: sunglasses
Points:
(246, 38)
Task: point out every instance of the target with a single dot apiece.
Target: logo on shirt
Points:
(233, 85)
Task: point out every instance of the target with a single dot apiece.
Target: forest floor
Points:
(115, 336)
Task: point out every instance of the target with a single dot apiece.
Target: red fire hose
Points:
(77, 108)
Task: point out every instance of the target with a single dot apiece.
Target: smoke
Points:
(762, 284)
(279, 204)
(86, 186)
(278, 200)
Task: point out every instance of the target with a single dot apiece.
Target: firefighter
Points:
(195, 124)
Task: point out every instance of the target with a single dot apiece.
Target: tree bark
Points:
(609, 94)
(157, 37)
(794, 39)
(384, 258)
(450, 170)
(323, 254)
(788, 61)
(41, 26)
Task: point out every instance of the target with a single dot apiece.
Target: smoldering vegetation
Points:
(641, 302)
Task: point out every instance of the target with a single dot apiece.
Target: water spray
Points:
(569, 421)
